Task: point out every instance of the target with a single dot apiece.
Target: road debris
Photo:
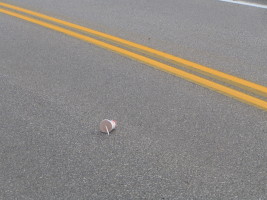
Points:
(106, 126)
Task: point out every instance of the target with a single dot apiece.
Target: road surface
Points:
(175, 139)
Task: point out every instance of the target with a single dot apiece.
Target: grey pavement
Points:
(263, 2)
(228, 37)
(175, 139)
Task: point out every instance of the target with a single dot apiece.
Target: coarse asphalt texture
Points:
(175, 139)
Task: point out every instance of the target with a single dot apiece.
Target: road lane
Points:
(174, 140)
(252, 87)
(223, 36)
(158, 65)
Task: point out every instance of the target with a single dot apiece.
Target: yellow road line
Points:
(233, 80)
(172, 70)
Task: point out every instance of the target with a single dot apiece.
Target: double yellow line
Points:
(239, 83)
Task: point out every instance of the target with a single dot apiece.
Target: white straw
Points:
(107, 129)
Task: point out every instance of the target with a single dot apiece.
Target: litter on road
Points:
(106, 125)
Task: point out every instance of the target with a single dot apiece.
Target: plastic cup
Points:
(106, 126)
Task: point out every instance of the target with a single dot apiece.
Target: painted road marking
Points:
(246, 3)
(158, 65)
(233, 80)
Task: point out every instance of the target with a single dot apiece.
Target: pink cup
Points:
(106, 126)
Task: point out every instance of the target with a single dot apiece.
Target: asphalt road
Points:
(262, 2)
(175, 139)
